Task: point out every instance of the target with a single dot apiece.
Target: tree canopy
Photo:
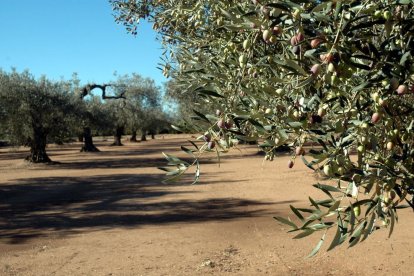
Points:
(35, 112)
(338, 74)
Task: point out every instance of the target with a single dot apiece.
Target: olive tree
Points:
(338, 74)
(94, 118)
(93, 112)
(142, 105)
(35, 112)
(155, 120)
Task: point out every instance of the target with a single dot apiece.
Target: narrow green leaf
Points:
(308, 164)
(320, 226)
(177, 128)
(257, 125)
(361, 87)
(167, 169)
(297, 213)
(370, 226)
(193, 144)
(202, 116)
(327, 188)
(352, 219)
(324, 202)
(282, 6)
(362, 202)
(172, 160)
(295, 67)
(336, 240)
(314, 203)
(305, 210)
(226, 14)
(404, 58)
(317, 214)
(334, 206)
(283, 134)
(295, 124)
(286, 221)
(321, 6)
(210, 93)
(317, 247)
(305, 233)
(187, 150)
(305, 82)
(353, 241)
(358, 231)
(308, 222)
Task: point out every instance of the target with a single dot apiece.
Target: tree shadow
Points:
(11, 153)
(38, 207)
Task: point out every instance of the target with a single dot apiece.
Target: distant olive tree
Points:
(92, 113)
(35, 112)
(141, 107)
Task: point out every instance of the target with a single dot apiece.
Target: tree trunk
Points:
(80, 137)
(143, 135)
(118, 135)
(38, 147)
(152, 135)
(88, 145)
(134, 136)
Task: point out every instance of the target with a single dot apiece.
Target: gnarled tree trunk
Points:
(118, 135)
(133, 136)
(38, 146)
(88, 145)
(143, 135)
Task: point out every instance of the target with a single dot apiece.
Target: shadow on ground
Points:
(54, 151)
(63, 205)
(38, 207)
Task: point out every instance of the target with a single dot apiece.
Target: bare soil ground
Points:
(109, 213)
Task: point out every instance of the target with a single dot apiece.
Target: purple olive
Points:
(316, 68)
(375, 118)
(296, 50)
(207, 137)
(221, 123)
(315, 119)
(402, 89)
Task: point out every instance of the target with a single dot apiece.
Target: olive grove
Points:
(36, 112)
(338, 74)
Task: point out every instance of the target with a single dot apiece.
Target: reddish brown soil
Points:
(109, 213)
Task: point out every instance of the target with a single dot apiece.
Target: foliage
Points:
(97, 115)
(141, 108)
(335, 73)
(35, 112)
(182, 103)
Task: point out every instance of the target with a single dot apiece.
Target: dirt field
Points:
(108, 213)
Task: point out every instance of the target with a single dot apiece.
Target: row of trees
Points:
(35, 112)
(339, 74)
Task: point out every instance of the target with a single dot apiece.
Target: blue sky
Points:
(59, 37)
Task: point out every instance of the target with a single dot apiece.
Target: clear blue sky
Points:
(59, 37)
